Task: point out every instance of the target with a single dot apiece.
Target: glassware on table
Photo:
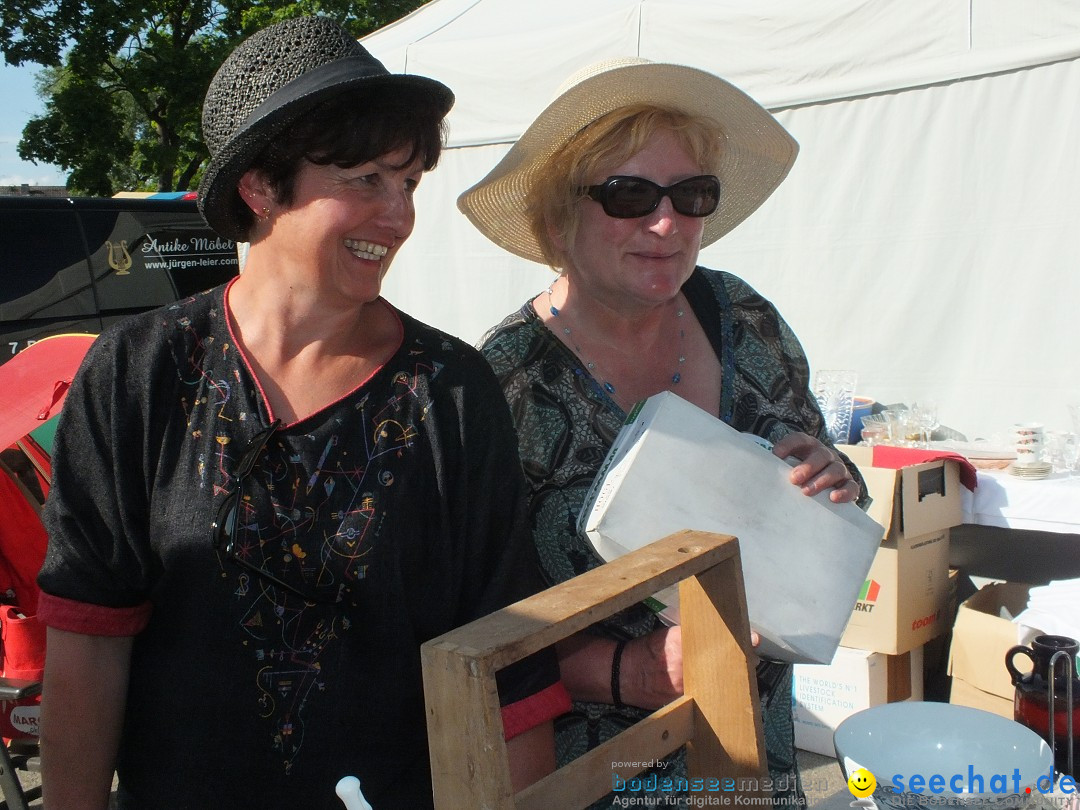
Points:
(1053, 451)
(835, 392)
(911, 429)
(1070, 453)
(875, 430)
(925, 417)
(895, 419)
(874, 434)
(903, 425)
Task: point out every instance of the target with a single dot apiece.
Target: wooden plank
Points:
(569, 607)
(719, 672)
(469, 764)
(589, 777)
(722, 725)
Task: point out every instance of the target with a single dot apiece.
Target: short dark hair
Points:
(347, 130)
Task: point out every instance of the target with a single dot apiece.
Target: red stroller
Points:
(32, 389)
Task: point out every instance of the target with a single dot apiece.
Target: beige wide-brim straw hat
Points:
(269, 81)
(755, 156)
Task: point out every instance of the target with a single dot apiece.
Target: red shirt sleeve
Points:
(527, 713)
(92, 620)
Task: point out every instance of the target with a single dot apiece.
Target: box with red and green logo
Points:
(904, 601)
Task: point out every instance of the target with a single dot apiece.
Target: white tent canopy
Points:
(926, 234)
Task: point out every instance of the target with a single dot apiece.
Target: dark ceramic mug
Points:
(1040, 652)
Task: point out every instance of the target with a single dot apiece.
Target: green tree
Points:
(125, 80)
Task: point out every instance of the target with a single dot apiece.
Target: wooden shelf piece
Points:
(718, 718)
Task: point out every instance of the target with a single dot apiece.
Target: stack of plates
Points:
(1039, 469)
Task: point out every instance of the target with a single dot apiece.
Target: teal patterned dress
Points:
(566, 422)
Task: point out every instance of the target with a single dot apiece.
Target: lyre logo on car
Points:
(119, 258)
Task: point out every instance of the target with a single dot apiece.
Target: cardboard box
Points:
(963, 693)
(980, 639)
(911, 501)
(827, 694)
(904, 601)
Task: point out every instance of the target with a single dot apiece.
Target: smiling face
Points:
(861, 783)
(643, 261)
(344, 226)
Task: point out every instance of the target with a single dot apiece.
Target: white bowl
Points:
(966, 748)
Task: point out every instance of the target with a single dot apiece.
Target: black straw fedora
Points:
(268, 82)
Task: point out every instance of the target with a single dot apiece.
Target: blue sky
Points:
(20, 103)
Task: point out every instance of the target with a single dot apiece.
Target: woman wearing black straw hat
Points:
(617, 185)
(267, 496)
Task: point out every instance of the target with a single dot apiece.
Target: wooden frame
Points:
(718, 717)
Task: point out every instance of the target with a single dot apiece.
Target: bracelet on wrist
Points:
(616, 671)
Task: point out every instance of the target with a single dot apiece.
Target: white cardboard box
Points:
(824, 695)
(675, 466)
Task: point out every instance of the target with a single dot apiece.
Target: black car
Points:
(79, 264)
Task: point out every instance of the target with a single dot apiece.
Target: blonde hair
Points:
(551, 205)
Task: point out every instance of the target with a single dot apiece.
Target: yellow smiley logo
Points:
(861, 783)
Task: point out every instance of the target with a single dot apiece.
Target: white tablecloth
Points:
(1051, 504)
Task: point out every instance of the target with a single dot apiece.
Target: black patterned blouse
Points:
(566, 423)
(401, 496)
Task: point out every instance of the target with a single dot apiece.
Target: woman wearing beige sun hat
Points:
(617, 185)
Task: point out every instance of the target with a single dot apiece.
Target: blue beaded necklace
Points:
(676, 377)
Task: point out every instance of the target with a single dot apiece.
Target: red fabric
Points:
(22, 636)
(24, 644)
(92, 620)
(22, 546)
(530, 712)
(896, 457)
(34, 383)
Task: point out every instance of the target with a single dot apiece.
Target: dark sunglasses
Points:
(223, 529)
(625, 197)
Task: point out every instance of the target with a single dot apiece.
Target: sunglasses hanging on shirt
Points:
(225, 528)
